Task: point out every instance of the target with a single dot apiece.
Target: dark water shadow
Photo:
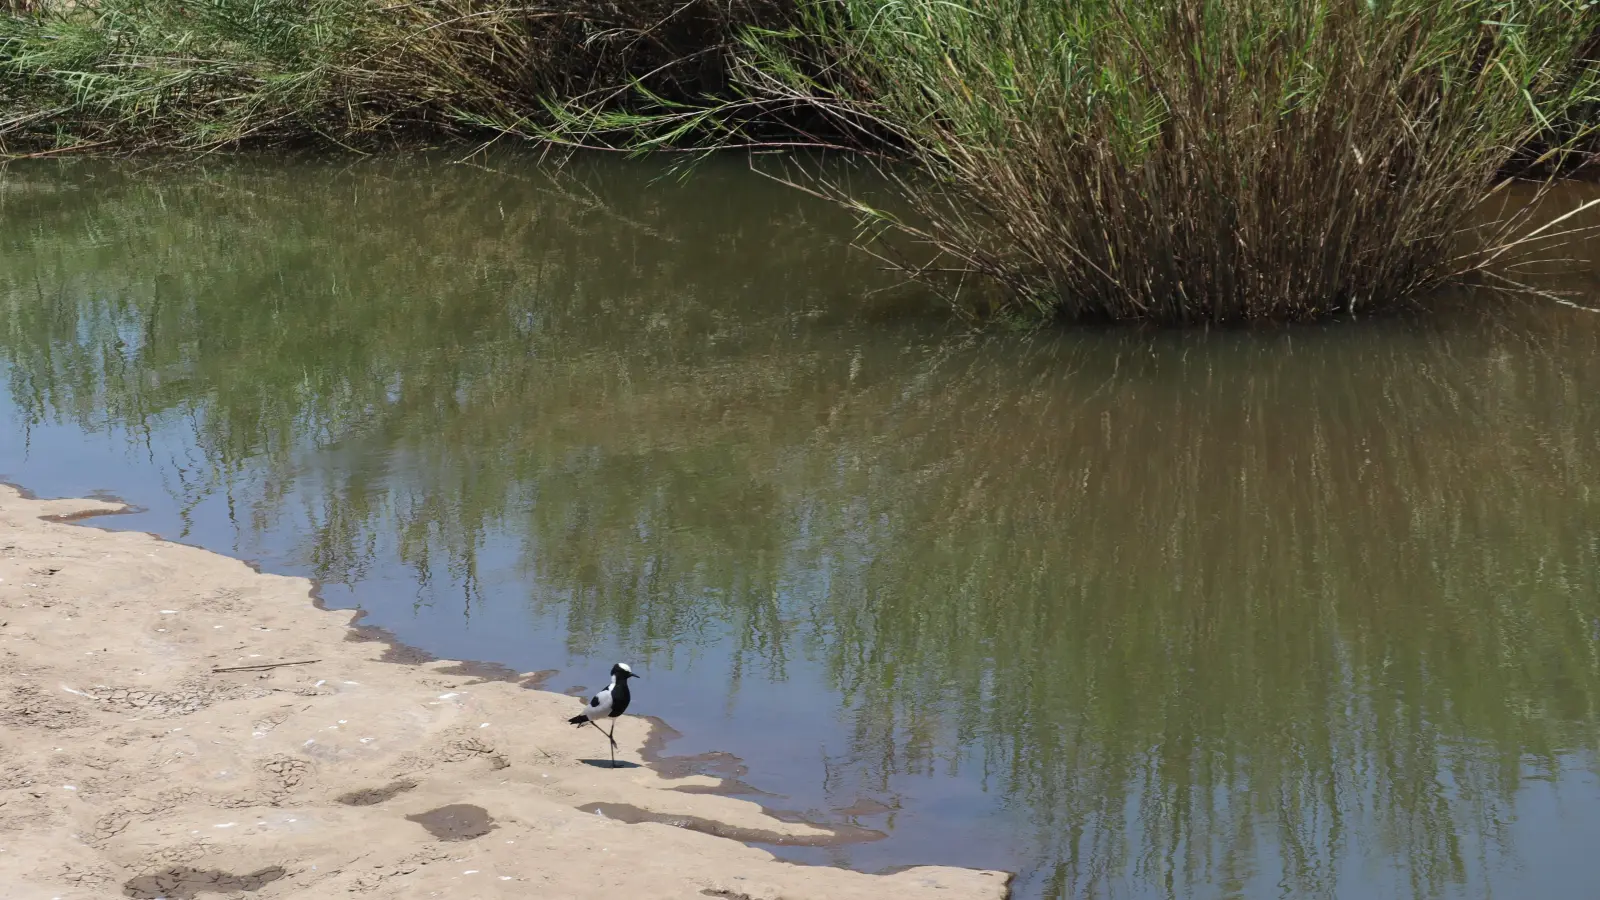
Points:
(837, 835)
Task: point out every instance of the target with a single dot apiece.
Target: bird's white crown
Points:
(624, 667)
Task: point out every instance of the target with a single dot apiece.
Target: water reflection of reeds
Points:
(1262, 588)
(1269, 601)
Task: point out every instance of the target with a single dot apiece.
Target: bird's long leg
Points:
(611, 734)
(602, 730)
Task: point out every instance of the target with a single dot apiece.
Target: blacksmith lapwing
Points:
(608, 704)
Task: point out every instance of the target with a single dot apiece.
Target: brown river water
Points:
(1296, 612)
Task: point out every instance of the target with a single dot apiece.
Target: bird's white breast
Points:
(600, 704)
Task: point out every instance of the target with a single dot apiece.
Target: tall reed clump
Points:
(1190, 160)
(190, 74)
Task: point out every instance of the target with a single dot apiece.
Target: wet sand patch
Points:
(865, 806)
(456, 822)
(729, 770)
(182, 882)
(374, 796)
(837, 835)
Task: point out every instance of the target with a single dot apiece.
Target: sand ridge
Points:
(143, 760)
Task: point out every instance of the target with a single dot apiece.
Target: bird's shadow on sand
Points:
(606, 763)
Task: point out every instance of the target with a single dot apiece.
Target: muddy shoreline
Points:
(154, 749)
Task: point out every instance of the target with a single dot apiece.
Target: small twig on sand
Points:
(298, 662)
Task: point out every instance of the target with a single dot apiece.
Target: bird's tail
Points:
(579, 720)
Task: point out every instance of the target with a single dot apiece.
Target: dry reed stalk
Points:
(1190, 160)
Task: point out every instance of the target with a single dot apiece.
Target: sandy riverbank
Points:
(133, 768)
